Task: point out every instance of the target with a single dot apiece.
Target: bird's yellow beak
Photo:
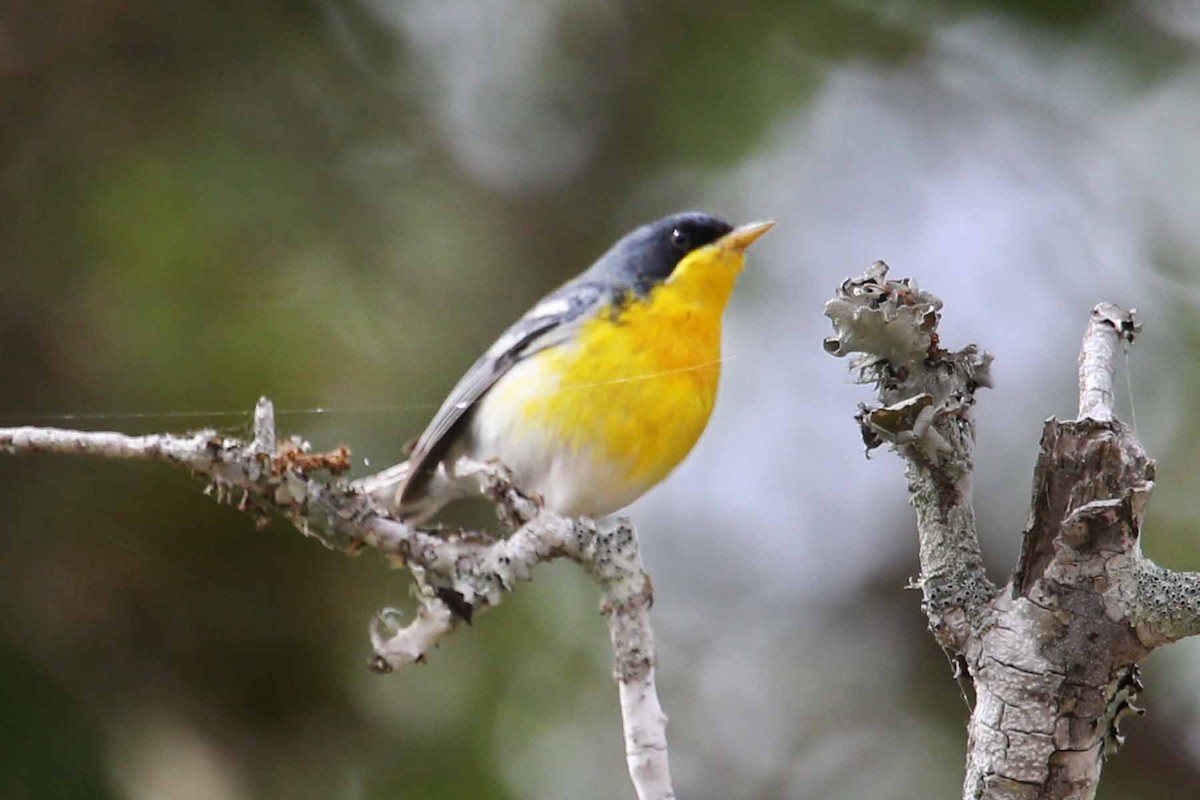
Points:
(743, 236)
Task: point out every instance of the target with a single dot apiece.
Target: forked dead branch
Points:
(1053, 654)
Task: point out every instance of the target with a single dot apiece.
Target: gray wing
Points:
(547, 324)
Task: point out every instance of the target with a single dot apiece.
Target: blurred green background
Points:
(339, 204)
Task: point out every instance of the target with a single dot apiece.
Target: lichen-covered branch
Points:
(1053, 657)
(925, 397)
(261, 477)
(455, 575)
(1164, 605)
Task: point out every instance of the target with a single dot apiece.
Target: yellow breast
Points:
(637, 386)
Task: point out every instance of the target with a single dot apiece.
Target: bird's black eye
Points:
(680, 240)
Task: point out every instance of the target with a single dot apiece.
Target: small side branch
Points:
(262, 477)
(925, 397)
(1164, 605)
(476, 572)
(1107, 328)
(455, 576)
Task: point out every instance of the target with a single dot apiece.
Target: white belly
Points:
(571, 482)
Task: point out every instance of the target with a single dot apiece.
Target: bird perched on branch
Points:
(600, 390)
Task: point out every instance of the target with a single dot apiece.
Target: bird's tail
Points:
(383, 488)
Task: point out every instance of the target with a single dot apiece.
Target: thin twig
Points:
(1107, 327)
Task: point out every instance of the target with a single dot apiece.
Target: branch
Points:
(925, 396)
(1054, 658)
(1164, 604)
(1107, 328)
(455, 575)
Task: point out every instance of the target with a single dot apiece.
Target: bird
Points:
(603, 387)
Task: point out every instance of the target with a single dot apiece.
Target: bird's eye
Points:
(680, 240)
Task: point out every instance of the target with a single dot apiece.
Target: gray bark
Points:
(1053, 655)
(455, 575)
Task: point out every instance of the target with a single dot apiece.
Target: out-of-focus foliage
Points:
(338, 204)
